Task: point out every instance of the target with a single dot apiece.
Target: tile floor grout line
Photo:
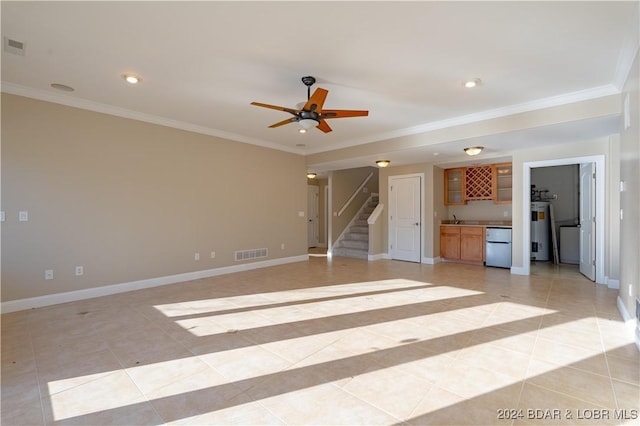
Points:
(38, 378)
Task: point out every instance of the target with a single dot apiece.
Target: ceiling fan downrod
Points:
(308, 81)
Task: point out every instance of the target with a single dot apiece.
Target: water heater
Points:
(540, 231)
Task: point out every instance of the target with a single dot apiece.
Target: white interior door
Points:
(587, 221)
(312, 215)
(405, 218)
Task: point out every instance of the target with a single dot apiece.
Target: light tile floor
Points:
(337, 341)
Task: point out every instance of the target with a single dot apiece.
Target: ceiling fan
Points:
(312, 114)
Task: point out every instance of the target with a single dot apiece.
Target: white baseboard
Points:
(623, 311)
(611, 283)
(629, 321)
(379, 256)
(72, 296)
(517, 270)
(431, 260)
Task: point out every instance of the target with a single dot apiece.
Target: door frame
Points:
(422, 213)
(599, 161)
(316, 225)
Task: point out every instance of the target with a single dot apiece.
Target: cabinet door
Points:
(503, 177)
(454, 187)
(450, 242)
(472, 243)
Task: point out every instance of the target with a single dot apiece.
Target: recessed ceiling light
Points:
(469, 84)
(383, 163)
(62, 87)
(131, 78)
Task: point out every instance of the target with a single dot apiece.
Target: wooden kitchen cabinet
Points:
(450, 242)
(462, 244)
(478, 183)
(472, 243)
(485, 182)
(503, 178)
(454, 187)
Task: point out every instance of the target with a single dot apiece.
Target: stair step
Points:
(359, 229)
(347, 252)
(355, 244)
(358, 236)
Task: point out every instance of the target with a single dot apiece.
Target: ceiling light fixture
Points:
(469, 84)
(474, 150)
(312, 175)
(131, 78)
(306, 124)
(383, 163)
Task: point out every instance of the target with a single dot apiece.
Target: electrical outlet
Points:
(23, 216)
(282, 246)
(213, 254)
(1, 216)
(79, 271)
(196, 256)
(505, 214)
(48, 274)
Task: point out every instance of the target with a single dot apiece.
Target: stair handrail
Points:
(355, 193)
(373, 217)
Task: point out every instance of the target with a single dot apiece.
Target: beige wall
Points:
(129, 200)
(630, 197)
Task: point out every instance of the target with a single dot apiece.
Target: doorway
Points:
(595, 258)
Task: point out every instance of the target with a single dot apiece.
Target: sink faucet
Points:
(455, 220)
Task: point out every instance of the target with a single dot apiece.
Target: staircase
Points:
(355, 242)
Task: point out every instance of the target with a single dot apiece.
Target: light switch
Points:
(23, 216)
(301, 214)
(1, 216)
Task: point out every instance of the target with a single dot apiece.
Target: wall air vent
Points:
(14, 46)
(251, 254)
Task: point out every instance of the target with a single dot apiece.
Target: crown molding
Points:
(47, 96)
(43, 95)
(553, 101)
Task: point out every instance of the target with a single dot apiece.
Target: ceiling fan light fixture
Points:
(383, 163)
(306, 124)
(312, 175)
(474, 150)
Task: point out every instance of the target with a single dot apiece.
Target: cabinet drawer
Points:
(450, 230)
(471, 230)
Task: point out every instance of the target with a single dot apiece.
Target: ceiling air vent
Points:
(14, 46)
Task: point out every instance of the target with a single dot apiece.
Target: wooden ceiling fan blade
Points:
(283, 122)
(316, 101)
(343, 113)
(276, 107)
(322, 125)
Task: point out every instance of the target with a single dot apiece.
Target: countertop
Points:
(485, 223)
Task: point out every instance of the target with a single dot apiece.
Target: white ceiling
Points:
(202, 63)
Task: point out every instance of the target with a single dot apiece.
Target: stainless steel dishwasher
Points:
(498, 247)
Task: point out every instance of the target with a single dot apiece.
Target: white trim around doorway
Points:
(599, 161)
